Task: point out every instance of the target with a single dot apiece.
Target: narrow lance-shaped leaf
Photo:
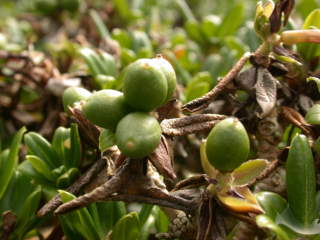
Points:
(301, 180)
(232, 20)
(9, 163)
(128, 227)
(145, 213)
(40, 166)
(75, 153)
(60, 139)
(85, 223)
(39, 146)
(102, 29)
(29, 208)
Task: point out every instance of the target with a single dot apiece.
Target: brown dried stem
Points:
(130, 183)
(74, 188)
(204, 101)
(190, 124)
(8, 224)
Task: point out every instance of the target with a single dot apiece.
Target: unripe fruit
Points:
(105, 108)
(138, 134)
(227, 145)
(72, 95)
(170, 74)
(145, 85)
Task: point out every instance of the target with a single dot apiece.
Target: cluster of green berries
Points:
(148, 84)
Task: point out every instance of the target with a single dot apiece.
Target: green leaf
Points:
(210, 25)
(248, 171)
(306, 6)
(61, 143)
(162, 221)
(128, 227)
(67, 178)
(313, 114)
(144, 213)
(106, 139)
(26, 169)
(198, 86)
(310, 50)
(102, 29)
(122, 37)
(40, 166)
(193, 28)
(30, 206)
(110, 213)
(232, 20)
(108, 63)
(123, 9)
(88, 55)
(289, 220)
(9, 162)
(301, 180)
(206, 165)
(39, 146)
(85, 224)
(266, 222)
(272, 203)
(75, 152)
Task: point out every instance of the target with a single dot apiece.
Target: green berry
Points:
(138, 134)
(170, 74)
(145, 85)
(72, 95)
(105, 108)
(227, 145)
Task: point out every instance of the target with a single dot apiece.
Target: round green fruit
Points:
(138, 134)
(72, 95)
(145, 85)
(170, 74)
(227, 145)
(105, 108)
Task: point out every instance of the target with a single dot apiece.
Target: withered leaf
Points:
(87, 129)
(161, 159)
(296, 119)
(282, 7)
(266, 91)
(247, 79)
(205, 219)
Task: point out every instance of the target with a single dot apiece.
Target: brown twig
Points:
(8, 223)
(190, 124)
(74, 188)
(130, 183)
(204, 101)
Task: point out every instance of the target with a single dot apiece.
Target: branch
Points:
(204, 101)
(190, 124)
(74, 188)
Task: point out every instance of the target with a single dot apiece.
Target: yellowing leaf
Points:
(240, 200)
(248, 171)
(207, 167)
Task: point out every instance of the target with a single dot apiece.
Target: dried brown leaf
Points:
(282, 7)
(162, 160)
(266, 91)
